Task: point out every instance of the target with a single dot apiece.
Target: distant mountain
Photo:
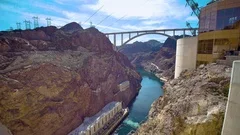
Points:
(136, 47)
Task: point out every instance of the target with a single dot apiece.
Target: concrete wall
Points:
(231, 125)
(124, 85)
(186, 54)
(98, 122)
(4, 130)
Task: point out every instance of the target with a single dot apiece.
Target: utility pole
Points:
(35, 22)
(27, 24)
(48, 21)
(18, 26)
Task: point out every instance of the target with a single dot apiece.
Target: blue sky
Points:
(118, 15)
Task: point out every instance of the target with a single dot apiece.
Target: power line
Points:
(104, 19)
(119, 18)
(115, 21)
(94, 13)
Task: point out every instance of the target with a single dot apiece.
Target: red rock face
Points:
(51, 92)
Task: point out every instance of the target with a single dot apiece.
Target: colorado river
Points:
(150, 91)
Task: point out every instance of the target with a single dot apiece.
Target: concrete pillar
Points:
(105, 118)
(186, 55)
(96, 127)
(232, 116)
(102, 122)
(117, 106)
(108, 116)
(98, 123)
(112, 114)
(81, 133)
(121, 106)
(114, 110)
(92, 129)
(114, 42)
(88, 132)
(121, 39)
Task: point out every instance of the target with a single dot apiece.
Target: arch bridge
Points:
(134, 34)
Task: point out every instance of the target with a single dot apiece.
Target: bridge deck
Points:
(150, 31)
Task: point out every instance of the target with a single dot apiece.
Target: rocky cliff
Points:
(51, 79)
(158, 58)
(193, 104)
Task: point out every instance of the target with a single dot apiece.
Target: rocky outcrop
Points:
(48, 86)
(193, 104)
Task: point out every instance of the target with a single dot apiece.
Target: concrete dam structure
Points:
(186, 54)
(97, 124)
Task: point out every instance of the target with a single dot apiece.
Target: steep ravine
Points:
(50, 79)
(153, 56)
(193, 104)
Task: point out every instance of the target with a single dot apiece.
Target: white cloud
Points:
(142, 27)
(152, 22)
(62, 2)
(142, 9)
(47, 7)
(78, 17)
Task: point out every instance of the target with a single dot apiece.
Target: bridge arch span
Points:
(149, 33)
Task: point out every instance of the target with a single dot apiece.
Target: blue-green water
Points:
(150, 91)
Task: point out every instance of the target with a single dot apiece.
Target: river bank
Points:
(193, 104)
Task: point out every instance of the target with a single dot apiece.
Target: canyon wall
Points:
(51, 79)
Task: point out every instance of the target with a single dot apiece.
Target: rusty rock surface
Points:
(49, 85)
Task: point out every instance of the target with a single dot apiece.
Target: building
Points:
(219, 31)
(93, 125)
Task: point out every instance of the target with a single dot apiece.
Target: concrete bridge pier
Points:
(114, 42)
(231, 125)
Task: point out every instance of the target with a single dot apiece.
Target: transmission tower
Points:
(196, 11)
(91, 25)
(190, 27)
(35, 22)
(48, 21)
(11, 29)
(18, 26)
(27, 24)
(194, 7)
